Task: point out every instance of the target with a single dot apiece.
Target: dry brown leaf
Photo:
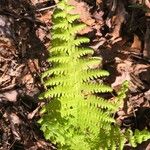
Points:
(124, 69)
(45, 17)
(98, 2)
(15, 119)
(136, 43)
(82, 9)
(9, 96)
(27, 79)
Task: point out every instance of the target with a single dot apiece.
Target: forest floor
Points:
(119, 32)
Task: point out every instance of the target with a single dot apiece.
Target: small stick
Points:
(46, 8)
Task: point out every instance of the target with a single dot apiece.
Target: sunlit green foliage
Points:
(75, 118)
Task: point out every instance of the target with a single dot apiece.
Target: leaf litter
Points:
(119, 33)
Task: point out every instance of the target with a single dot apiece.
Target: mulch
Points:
(119, 33)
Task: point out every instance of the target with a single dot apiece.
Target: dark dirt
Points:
(120, 34)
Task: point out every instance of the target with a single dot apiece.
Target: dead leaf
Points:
(15, 119)
(136, 43)
(82, 9)
(9, 96)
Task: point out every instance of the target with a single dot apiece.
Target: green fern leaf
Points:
(76, 28)
(93, 74)
(96, 88)
(81, 40)
(83, 51)
(75, 118)
(60, 48)
(61, 35)
(59, 14)
(60, 59)
(58, 70)
(63, 24)
(138, 137)
(71, 18)
(102, 103)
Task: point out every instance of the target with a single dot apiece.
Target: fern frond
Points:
(60, 48)
(138, 137)
(63, 24)
(56, 42)
(69, 8)
(61, 35)
(101, 120)
(56, 81)
(69, 109)
(57, 92)
(76, 28)
(72, 17)
(96, 88)
(101, 103)
(60, 59)
(64, 6)
(81, 40)
(118, 141)
(59, 14)
(75, 118)
(93, 74)
(82, 52)
(57, 71)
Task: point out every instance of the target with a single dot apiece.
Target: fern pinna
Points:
(74, 118)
